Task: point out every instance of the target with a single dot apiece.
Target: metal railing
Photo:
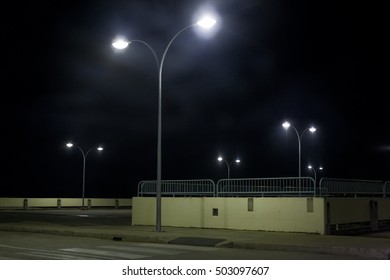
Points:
(351, 187)
(268, 187)
(178, 188)
(286, 186)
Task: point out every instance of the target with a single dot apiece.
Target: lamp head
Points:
(206, 22)
(312, 129)
(220, 159)
(286, 125)
(69, 145)
(120, 44)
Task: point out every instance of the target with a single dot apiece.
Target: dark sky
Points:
(318, 63)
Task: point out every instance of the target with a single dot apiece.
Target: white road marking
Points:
(104, 253)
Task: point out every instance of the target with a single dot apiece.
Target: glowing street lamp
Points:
(315, 173)
(99, 149)
(206, 23)
(286, 125)
(228, 164)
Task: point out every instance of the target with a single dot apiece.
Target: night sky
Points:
(318, 63)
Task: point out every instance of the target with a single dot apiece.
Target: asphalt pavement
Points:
(102, 224)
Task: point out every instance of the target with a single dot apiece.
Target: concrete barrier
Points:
(287, 214)
(357, 214)
(25, 203)
(10, 202)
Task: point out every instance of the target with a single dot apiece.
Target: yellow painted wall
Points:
(269, 214)
(11, 202)
(125, 202)
(65, 202)
(42, 202)
(72, 202)
(100, 202)
(145, 208)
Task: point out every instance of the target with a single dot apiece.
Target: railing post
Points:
(25, 203)
(327, 219)
(374, 215)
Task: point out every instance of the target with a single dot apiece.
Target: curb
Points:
(334, 250)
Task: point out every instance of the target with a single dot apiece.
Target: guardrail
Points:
(351, 187)
(204, 187)
(286, 186)
(263, 187)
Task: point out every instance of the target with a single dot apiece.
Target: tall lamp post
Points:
(205, 22)
(286, 125)
(85, 154)
(228, 164)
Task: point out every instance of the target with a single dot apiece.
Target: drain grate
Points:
(197, 241)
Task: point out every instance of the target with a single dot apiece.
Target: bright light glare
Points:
(100, 148)
(312, 129)
(310, 167)
(238, 161)
(69, 145)
(120, 44)
(206, 22)
(321, 168)
(286, 125)
(220, 158)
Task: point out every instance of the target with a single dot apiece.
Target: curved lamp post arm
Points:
(167, 47)
(151, 49)
(303, 132)
(86, 154)
(82, 152)
(228, 167)
(299, 149)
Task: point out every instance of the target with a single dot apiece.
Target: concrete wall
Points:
(383, 208)
(11, 202)
(347, 210)
(72, 202)
(63, 202)
(269, 214)
(353, 210)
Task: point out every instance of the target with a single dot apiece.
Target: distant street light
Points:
(315, 173)
(228, 164)
(312, 129)
(70, 145)
(206, 22)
